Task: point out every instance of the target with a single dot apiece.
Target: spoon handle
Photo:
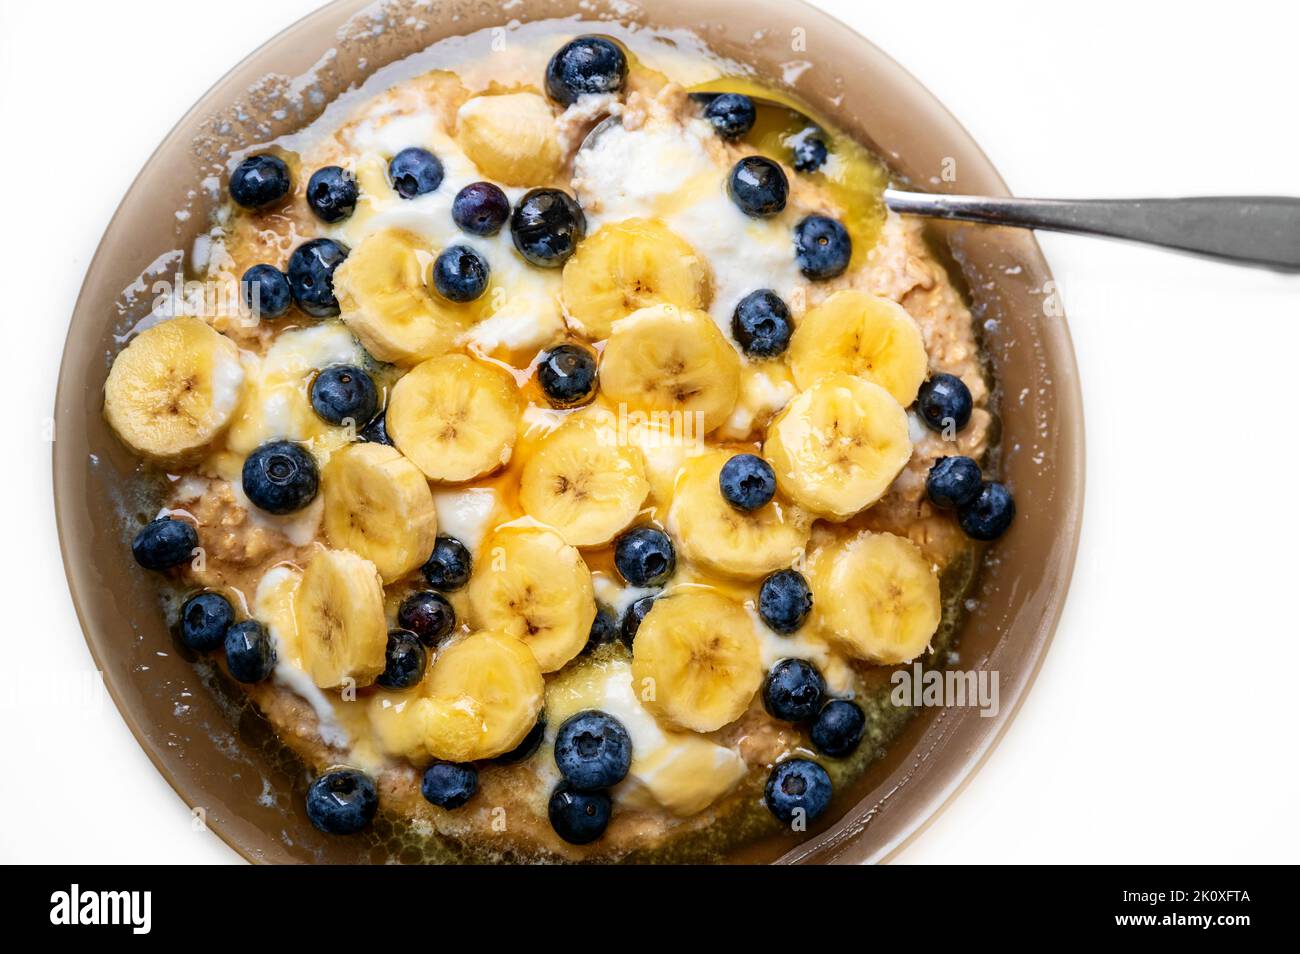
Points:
(1246, 230)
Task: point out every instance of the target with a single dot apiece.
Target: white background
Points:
(1162, 726)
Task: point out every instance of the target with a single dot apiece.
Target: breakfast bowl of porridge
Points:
(489, 439)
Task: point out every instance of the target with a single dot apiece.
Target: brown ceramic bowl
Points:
(214, 750)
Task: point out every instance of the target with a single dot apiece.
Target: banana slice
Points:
(385, 302)
(378, 504)
(511, 137)
(455, 417)
(339, 609)
(173, 390)
(627, 266)
(715, 535)
(582, 483)
(695, 662)
(875, 597)
(838, 446)
(857, 333)
(673, 362)
(528, 583)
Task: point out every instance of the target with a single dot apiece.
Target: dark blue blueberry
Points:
(567, 374)
(747, 482)
(449, 785)
(460, 273)
(793, 691)
(164, 543)
(784, 600)
(448, 567)
(758, 187)
(376, 432)
(414, 171)
(953, 481)
(822, 247)
(797, 791)
(250, 653)
(645, 556)
(731, 114)
(266, 291)
(311, 276)
(838, 728)
(429, 615)
(332, 193)
(259, 180)
(604, 629)
(342, 802)
(531, 743)
(633, 618)
(205, 617)
(281, 477)
(344, 393)
(404, 660)
(761, 324)
(989, 515)
(945, 403)
(593, 750)
(546, 226)
(480, 208)
(808, 150)
(578, 817)
(589, 64)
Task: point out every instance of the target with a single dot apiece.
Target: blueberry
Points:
(953, 482)
(404, 660)
(578, 817)
(589, 64)
(592, 750)
(266, 291)
(205, 617)
(822, 247)
(414, 171)
(945, 403)
(731, 114)
(344, 393)
(376, 432)
(604, 629)
(449, 785)
(989, 515)
(645, 556)
(259, 180)
(342, 802)
(838, 728)
(311, 276)
(460, 273)
(281, 477)
(250, 654)
(793, 691)
(747, 482)
(808, 149)
(799, 790)
(164, 543)
(567, 374)
(758, 187)
(784, 600)
(480, 208)
(449, 565)
(429, 615)
(546, 226)
(762, 325)
(332, 193)
(531, 743)
(633, 618)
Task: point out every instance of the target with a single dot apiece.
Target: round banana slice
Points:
(715, 535)
(173, 390)
(672, 363)
(838, 446)
(339, 611)
(695, 661)
(378, 504)
(627, 266)
(454, 417)
(857, 333)
(582, 483)
(875, 597)
(511, 137)
(528, 583)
